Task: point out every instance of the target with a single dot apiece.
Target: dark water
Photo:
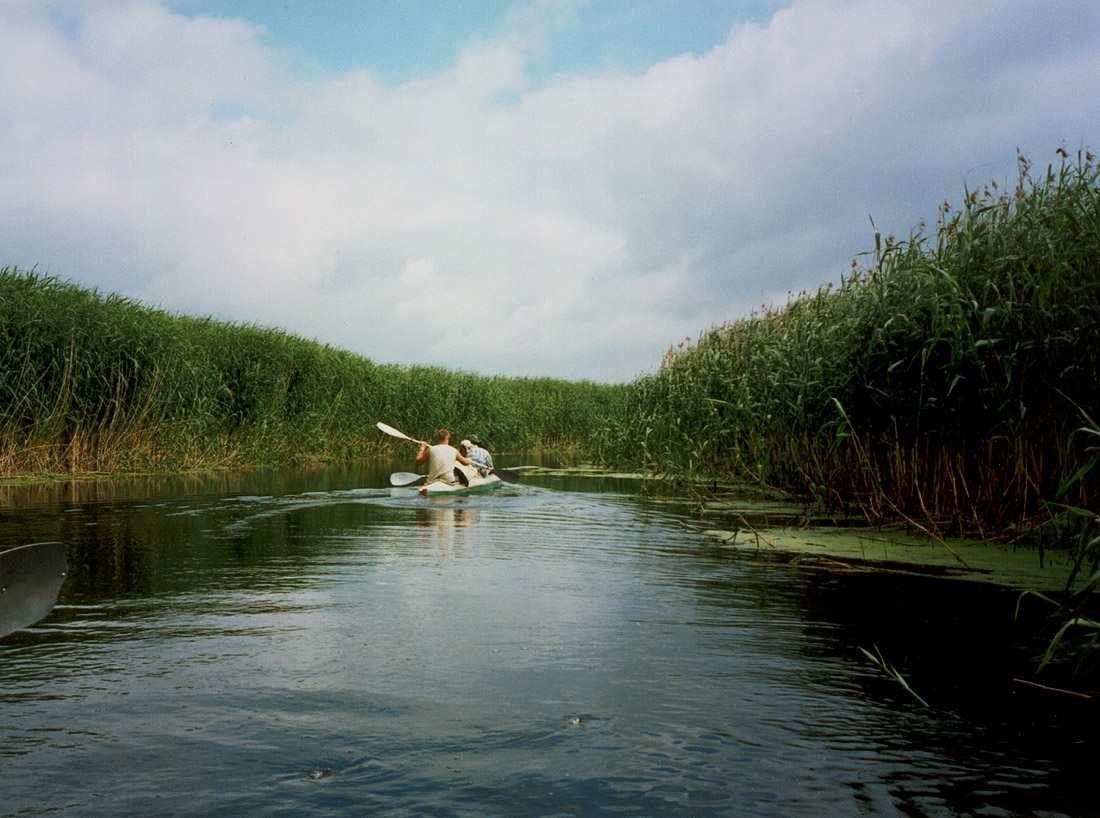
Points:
(315, 643)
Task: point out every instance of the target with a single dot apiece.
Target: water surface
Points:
(315, 643)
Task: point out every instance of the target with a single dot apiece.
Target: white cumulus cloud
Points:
(479, 220)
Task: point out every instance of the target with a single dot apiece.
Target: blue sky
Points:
(410, 39)
(558, 188)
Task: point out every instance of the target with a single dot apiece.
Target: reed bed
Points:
(100, 383)
(940, 383)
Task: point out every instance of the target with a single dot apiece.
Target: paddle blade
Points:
(31, 578)
(389, 430)
(506, 475)
(404, 478)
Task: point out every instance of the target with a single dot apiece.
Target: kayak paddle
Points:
(394, 433)
(30, 579)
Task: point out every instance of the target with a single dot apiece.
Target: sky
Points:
(559, 188)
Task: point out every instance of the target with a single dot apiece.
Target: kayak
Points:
(477, 485)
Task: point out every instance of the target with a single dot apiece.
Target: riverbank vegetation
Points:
(942, 383)
(99, 383)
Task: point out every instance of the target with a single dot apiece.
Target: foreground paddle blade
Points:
(30, 579)
(405, 478)
(506, 475)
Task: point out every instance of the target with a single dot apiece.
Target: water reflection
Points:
(445, 532)
(324, 644)
(141, 488)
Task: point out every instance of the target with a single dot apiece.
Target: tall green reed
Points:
(92, 382)
(936, 383)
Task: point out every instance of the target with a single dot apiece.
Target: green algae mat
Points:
(858, 549)
(772, 526)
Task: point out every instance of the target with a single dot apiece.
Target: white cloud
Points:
(588, 223)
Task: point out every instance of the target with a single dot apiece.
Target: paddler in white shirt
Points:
(441, 459)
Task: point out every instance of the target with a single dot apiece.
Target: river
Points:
(315, 643)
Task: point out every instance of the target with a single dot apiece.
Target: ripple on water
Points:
(531, 652)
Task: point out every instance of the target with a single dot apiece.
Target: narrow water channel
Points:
(315, 643)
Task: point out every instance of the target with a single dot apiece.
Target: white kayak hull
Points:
(477, 485)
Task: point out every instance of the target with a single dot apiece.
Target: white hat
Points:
(466, 444)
